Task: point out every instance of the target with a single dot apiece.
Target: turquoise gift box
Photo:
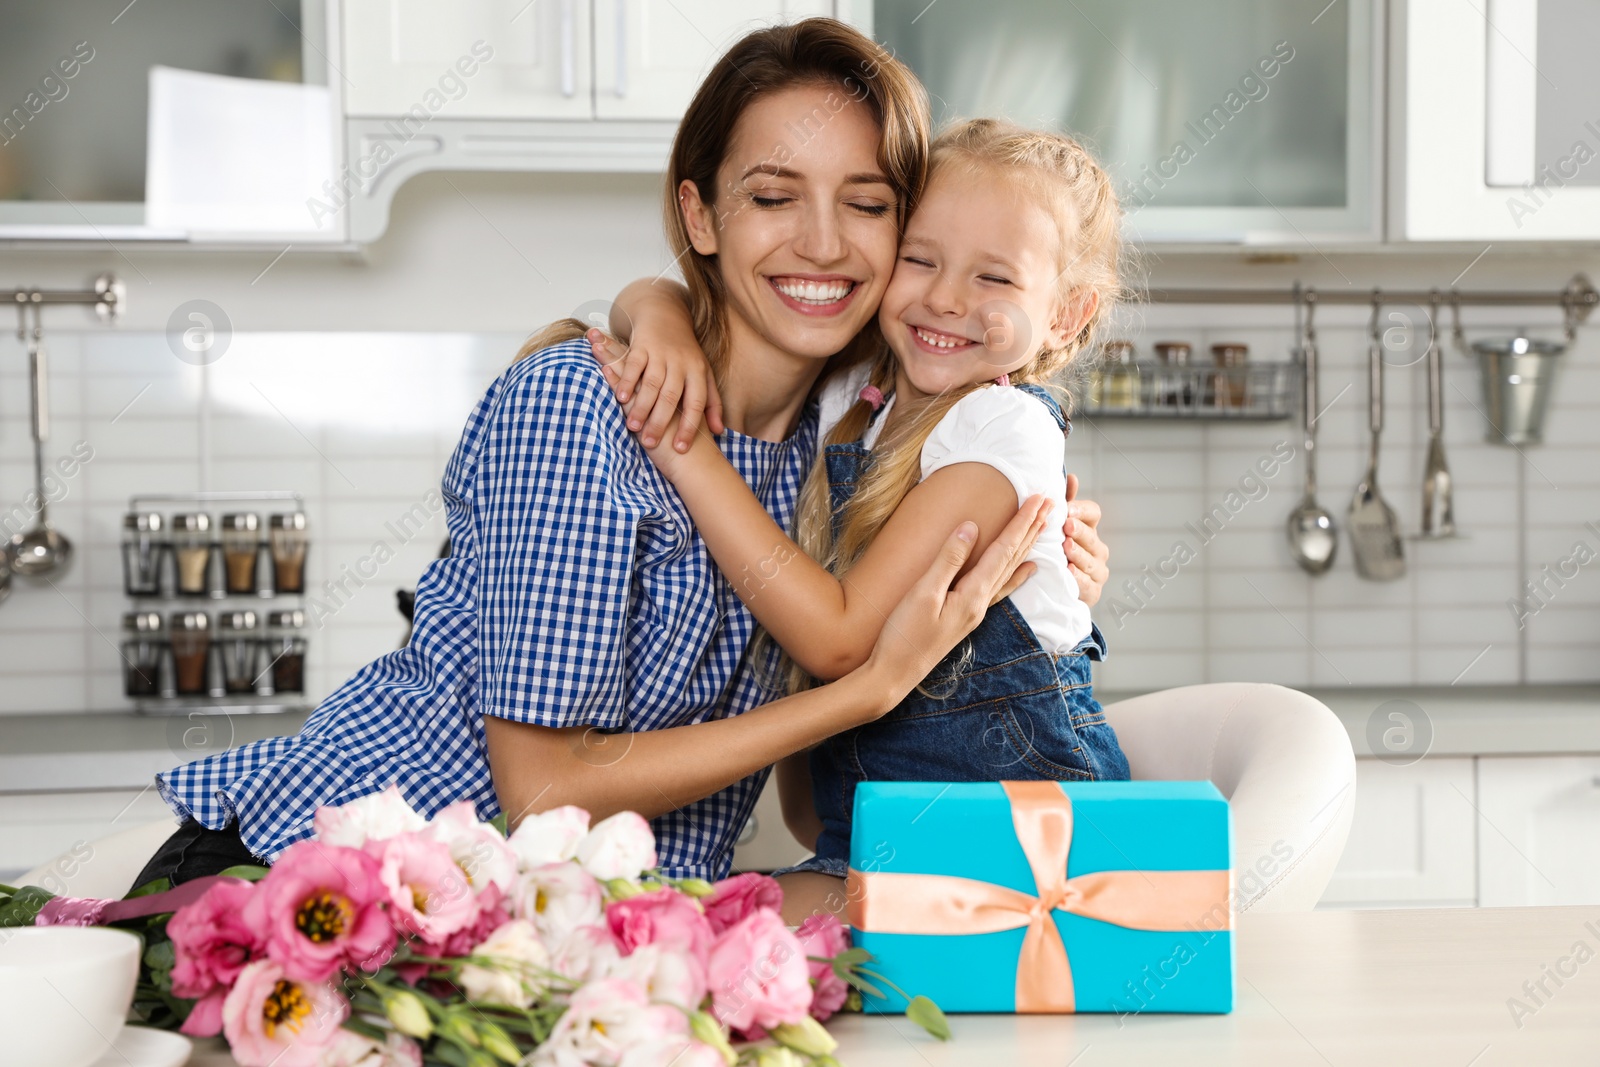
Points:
(1045, 896)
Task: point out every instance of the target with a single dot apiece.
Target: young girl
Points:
(1008, 263)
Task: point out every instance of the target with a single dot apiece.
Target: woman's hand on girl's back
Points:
(933, 617)
(1087, 555)
(655, 380)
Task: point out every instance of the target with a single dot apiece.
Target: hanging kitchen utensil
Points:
(40, 551)
(1438, 490)
(1313, 538)
(1374, 527)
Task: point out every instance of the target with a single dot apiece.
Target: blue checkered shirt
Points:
(576, 593)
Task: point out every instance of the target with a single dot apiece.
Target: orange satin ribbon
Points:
(881, 902)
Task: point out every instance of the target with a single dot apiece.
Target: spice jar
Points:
(143, 545)
(241, 548)
(286, 649)
(1119, 381)
(1228, 389)
(239, 648)
(191, 653)
(1174, 388)
(191, 549)
(287, 536)
(144, 646)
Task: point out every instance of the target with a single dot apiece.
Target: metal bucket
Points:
(1519, 375)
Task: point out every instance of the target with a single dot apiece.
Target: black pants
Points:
(194, 851)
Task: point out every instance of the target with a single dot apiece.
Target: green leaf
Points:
(499, 822)
(926, 1014)
(23, 907)
(250, 872)
(366, 1029)
(161, 957)
(159, 885)
(852, 956)
(865, 986)
(444, 1052)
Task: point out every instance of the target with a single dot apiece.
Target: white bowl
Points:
(64, 993)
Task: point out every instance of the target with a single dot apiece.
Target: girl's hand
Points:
(1087, 555)
(651, 379)
(935, 615)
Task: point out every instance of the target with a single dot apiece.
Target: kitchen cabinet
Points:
(1239, 120)
(1493, 131)
(1538, 824)
(649, 55)
(469, 59)
(1412, 838)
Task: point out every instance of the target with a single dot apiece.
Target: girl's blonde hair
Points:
(1067, 181)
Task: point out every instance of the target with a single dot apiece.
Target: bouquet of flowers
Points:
(387, 940)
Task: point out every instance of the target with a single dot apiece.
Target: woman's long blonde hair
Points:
(1067, 181)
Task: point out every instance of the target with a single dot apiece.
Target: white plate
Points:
(140, 1046)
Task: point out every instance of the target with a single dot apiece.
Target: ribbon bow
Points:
(883, 902)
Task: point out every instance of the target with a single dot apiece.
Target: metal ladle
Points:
(40, 551)
(1312, 536)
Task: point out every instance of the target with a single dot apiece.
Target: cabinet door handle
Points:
(569, 50)
(622, 47)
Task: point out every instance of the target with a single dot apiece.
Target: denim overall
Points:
(1001, 708)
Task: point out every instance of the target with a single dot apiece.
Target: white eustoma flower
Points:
(550, 836)
(604, 1022)
(557, 898)
(482, 853)
(587, 953)
(619, 847)
(517, 976)
(374, 817)
(668, 975)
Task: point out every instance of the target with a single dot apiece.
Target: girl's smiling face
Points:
(977, 289)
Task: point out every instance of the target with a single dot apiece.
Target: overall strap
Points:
(1047, 398)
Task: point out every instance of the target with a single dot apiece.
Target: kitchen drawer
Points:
(1539, 821)
(1412, 839)
(37, 826)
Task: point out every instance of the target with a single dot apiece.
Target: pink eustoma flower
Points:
(660, 917)
(429, 894)
(322, 908)
(271, 1019)
(824, 935)
(759, 977)
(738, 896)
(212, 942)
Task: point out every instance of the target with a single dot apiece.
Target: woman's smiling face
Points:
(803, 223)
(975, 293)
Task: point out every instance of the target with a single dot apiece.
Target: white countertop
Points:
(1317, 989)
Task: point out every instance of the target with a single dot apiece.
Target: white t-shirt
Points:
(1014, 433)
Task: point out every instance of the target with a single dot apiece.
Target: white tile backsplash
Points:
(363, 423)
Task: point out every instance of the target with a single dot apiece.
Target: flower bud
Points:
(458, 1027)
(498, 1043)
(408, 1014)
(807, 1037)
(696, 887)
(708, 1031)
(777, 1056)
(621, 888)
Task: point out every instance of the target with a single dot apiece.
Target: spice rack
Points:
(1149, 389)
(218, 621)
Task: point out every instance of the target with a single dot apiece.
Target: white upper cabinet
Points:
(468, 59)
(1496, 129)
(650, 55)
(1245, 121)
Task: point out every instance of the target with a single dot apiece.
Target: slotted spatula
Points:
(1374, 527)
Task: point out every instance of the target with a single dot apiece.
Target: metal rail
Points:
(109, 297)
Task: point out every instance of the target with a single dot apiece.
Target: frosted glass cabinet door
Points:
(1237, 120)
(468, 59)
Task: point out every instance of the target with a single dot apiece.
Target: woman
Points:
(578, 645)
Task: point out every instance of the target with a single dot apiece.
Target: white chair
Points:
(1281, 758)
